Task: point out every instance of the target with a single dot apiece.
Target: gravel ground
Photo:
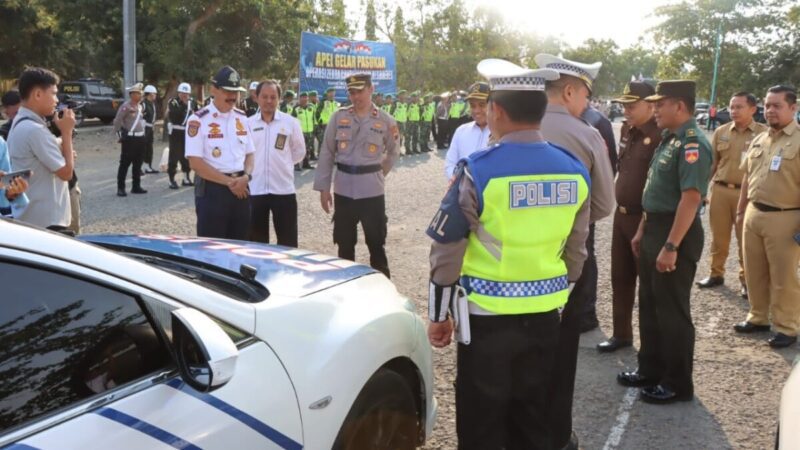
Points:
(738, 379)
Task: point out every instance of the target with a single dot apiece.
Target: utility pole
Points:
(128, 43)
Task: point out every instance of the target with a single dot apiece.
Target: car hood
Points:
(282, 270)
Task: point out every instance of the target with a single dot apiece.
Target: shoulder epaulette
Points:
(201, 112)
(239, 111)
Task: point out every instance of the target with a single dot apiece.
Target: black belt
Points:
(766, 208)
(658, 215)
(235, 174)
(729, 185)
(358, 170)
(629, 210)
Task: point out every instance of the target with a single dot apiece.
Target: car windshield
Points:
(108, 92)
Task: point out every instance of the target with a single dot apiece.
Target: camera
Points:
(65, 102)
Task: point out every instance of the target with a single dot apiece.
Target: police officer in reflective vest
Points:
(509, 240)
(220, 149)
(361, 142)
(669, 243)
(412, 126)
(325, 110)
(304, 112)
(426, 124)
(178, 111)
(400, 114)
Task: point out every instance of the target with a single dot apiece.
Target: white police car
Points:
(170, 342)
(788, 437)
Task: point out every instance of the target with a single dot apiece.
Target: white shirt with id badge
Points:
(279, 146)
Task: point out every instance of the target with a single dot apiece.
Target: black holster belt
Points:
(729, 185)
(766, 208)
(357, 170)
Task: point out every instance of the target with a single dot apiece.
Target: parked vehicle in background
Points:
(100, 100)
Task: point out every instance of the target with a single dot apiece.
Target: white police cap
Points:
(254, 85)
(184, 88)
(150, 89)
(586, 72)
(507, 76)
(135, 88)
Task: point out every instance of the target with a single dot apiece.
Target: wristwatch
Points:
(670, 247)
(249, 176)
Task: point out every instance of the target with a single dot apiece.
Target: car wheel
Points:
(383, 417)
(79, 117)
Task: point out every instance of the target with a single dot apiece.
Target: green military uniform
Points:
(412, 127)
(426, 123)
(682, 162)
(305, 114)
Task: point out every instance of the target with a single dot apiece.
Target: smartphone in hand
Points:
(6, 179)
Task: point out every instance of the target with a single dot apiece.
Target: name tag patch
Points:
(532, 194)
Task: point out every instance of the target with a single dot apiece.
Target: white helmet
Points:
(254, 85)
(150, 89)
(184, 88)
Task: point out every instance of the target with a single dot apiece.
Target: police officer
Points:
(638, 140)
(325, 110)
(250, 104)
(512, 282)
(426, 124)
(178, 111)
(444, 132)
(149, 115)
(457, 108)
(472, 136)
(400, 114)
(378, 100)
(669, 243)
(220, 151)
(388, 104)
(129, 125)
(769, 206)
(730, 144)
(412, 127)
(361, 142)
(286, 106)
(304, 112)
(567, 99)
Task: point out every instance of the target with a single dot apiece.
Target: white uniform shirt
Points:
(221, 139)
(468, 139)
(279, 146)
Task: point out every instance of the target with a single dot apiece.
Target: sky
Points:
(573, 21)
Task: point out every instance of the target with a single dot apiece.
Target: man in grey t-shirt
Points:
(33, 146)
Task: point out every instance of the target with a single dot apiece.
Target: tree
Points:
(371, 21)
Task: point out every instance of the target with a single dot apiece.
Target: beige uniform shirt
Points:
(561, 128)
(131, 118)
(357, 141)
(729, 146)
(446, 259)
(773, 168)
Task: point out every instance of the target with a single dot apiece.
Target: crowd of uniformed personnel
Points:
(516, 300)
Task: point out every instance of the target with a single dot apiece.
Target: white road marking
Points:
(624, 414)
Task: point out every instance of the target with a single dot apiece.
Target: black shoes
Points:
(121, 193)
(613, 344)
(173, 185)
(710, 282)
(150, 170)
(138, 190)
(635, 379)
(747, 327)
(187, 182)
(781, 340)
(661, 395)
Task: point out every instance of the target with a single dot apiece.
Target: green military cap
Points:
(479, 91)
(635, 91)
(401, 92)
(289, 93)
(358, 81)
(388, 96)
(415, 94)
(330, 89)
(304, 94)
(312, 93)
(378, 94)
(673, 88)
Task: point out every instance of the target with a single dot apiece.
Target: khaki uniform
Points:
(729, 146)
(771, 220)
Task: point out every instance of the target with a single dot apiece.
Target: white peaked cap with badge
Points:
(135, 88)
(254, 85)
(184, 88)
(586, 72)
(150, 89)
(503, 75)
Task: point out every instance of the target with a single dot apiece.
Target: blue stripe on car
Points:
(146, 428)
(20, 447)
(262, 428)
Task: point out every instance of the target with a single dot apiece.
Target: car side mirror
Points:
(206, 354)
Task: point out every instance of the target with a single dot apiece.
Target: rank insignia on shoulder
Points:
(690, 132)
(378, 125)
(692, 155)
(202, 112)
(239, 111)
(692, 145)
(194, 126)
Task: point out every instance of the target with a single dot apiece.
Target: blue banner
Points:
(325, 61)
